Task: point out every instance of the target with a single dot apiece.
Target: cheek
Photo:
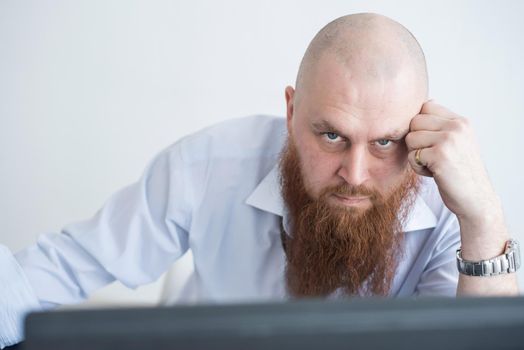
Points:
(318, 168)
(389, 172)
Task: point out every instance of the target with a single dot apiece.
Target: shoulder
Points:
(247, 137)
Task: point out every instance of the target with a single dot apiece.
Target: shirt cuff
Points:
(17, 299)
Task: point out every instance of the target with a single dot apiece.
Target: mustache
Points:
(348, 190)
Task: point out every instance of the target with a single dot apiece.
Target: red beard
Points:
(332, 247)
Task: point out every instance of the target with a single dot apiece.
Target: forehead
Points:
(359, 103)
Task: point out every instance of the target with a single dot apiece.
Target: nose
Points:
(354, 166)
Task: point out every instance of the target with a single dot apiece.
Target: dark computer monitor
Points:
(465, 323)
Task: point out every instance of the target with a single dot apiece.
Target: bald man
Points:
(367, 188)
(360, 125)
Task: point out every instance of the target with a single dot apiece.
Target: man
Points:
(371, 191)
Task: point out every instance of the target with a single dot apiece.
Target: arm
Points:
(16, 298)
(442, 145)
(484, 238)
(134, 238)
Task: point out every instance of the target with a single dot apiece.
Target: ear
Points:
(290, 104)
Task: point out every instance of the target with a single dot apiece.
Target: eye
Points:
(332, 136)
(385, 145)
(383, 142)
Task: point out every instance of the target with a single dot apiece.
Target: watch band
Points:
(508, 262)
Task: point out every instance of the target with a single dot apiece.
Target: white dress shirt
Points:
(216, 192)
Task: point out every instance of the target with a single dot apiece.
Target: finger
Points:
(419, 169)
(427, 122)
(431, 107)
(423, 139)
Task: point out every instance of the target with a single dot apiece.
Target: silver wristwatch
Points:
(508, 262)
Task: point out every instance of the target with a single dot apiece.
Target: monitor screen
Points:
(370, 323)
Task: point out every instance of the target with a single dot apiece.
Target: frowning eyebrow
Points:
(324, 125)
(396, 134)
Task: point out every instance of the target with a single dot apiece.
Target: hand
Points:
(449, 153)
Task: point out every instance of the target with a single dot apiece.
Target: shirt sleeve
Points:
(15, 301)
(440, 276)
(134, 238)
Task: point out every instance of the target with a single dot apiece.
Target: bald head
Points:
(361, 81)
(371, 47)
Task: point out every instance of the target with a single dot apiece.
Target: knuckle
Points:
(461, 124)
(447, 137)
(441, 152)
(450, 140)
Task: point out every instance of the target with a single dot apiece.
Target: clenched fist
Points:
(448, 151)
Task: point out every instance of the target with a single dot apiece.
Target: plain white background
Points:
(91, 90)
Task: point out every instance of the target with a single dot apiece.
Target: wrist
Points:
(486, 213)
(507, 262)
(484, 236)
(484, 250)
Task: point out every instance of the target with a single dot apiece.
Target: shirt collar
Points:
(267, 197)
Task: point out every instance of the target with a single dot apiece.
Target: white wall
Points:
(91, 90)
